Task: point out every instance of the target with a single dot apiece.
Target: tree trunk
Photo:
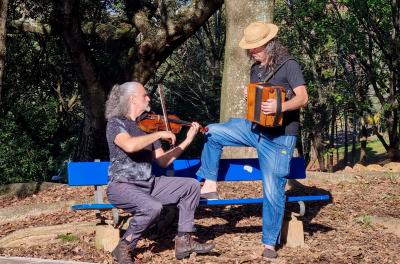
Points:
(93, 143)
(363, 143)
(3, 19)
(311, 155)
(337, 144)
(317, 160)
(236, 75)
(346, 142)
(299, 146)
(333, 122)
(319, 149)
(353, 140)
(239, 14)
(394, 84)
(393, 120)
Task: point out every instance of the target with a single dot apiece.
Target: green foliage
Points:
(20, 158)
(332, 40)
(365, 220)
(42, 111)
(344, 48)
(67, 238)
(28, 151)
(37, 133)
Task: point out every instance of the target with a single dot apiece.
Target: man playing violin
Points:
(132, 187)
(274, 145)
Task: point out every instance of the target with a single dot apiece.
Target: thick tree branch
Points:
(162, 37)
(105, 32)
(31, 26)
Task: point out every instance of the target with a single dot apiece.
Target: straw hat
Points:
(257, 34)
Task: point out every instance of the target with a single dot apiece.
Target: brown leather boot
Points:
(185, 245)
(122, 253)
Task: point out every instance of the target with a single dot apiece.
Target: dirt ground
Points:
(341, 231)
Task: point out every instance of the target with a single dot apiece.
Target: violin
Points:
(151, 123)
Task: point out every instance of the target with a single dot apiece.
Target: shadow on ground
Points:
(164, 231)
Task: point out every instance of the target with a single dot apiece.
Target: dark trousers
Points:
(145, 199)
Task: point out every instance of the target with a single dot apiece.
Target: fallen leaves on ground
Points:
(335, 232)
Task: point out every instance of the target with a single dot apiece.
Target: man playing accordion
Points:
(274, 145)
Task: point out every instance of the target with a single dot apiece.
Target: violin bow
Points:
(164, 108)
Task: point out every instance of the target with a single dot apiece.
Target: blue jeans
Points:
(274, 154)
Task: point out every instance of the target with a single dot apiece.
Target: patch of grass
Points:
(375, 152)
(67, 237)
(365, 220)
(391, 197)
(374, 147)
(3, 190)
(393, 176)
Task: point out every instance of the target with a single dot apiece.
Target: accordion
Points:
(261, 92)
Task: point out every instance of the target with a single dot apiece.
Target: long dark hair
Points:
(276, 51)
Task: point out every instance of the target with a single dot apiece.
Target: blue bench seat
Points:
(231, 170)
(96, 174)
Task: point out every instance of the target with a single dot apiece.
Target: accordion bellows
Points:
(261, 92)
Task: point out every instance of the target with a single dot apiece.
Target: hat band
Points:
(256, 40)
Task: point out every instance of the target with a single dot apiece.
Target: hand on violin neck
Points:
(193, 130)
(168, 136)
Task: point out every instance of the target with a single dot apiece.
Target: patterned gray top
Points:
(128, 167)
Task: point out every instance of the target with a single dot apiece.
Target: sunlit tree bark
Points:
(239, 14)
(3, 18)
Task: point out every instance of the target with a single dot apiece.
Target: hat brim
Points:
(245, 45)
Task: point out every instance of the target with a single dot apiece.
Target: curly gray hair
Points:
(117, 104)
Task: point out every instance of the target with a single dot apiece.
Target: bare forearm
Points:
(172, 154)
(298, 101)
(134, 144)
(293, 104)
